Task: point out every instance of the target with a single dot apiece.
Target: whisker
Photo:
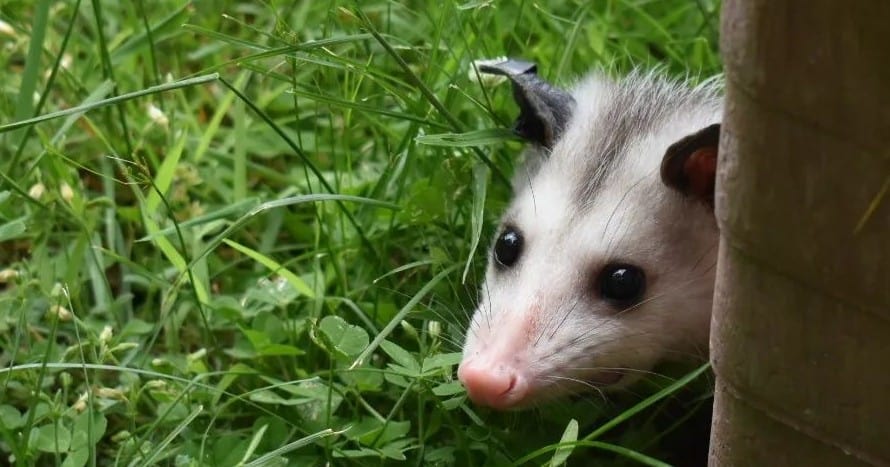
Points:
(578, 381)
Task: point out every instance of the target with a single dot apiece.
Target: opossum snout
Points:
(493, 384)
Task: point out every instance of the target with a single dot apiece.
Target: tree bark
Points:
(800, 336)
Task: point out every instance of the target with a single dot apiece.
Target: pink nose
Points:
(496, 386)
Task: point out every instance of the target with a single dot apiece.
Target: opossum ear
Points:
(690, 165)
(544, 110)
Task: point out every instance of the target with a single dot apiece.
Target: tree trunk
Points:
(801, 330)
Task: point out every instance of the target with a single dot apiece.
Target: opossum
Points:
(603, 263)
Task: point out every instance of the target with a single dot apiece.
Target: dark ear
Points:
(543, 109)
(690, 165)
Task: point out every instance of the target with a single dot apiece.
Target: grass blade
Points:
(110, 101)
(676, 386)
(628, 453)
(280, 203)
(266, 458)
(25, 103)
(298, 284)
(480, 186)
(173, 434)
(468, 139)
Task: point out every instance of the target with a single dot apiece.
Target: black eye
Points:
(622, 283)
(508, 247)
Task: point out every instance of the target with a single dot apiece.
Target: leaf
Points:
(364, 378)
(391, 451)
(393, 431)
(356, 453)
(570, 435)
(269, 397)
(347, 339)
(268, 294)
(396, 449)
(10, 417)
(397, 376)
(12, 230)
(401, 356)
(372, 432)
(279, 350)
(454, 403)
(77, 458)
(439, 361)
(88, 432)
(312, 397)
(448, 389)
(258, 339)
(440, 456)
(364, 427)
(381, 336)
(228, 449)
(264, 346)
(53, 438)
(136, 327)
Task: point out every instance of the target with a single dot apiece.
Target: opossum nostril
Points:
(496, 386)
(512, 383)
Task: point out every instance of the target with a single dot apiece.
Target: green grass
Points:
(250, 233)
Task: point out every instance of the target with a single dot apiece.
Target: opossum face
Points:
(603, 263)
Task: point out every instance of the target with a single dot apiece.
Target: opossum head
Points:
(603, 264)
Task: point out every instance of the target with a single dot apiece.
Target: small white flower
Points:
(434, 328)
(8, 275)
(66, 192)
(81, 403)
(37, 190)
(196, 355)
(110, 393)
(106, 334)
(156, 384)
(409, 329)
(61, 312)
(6, 29)
(157, 115)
